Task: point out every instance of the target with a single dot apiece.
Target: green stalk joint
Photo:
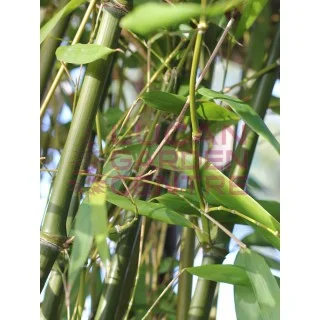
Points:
(202, 27)
(196, 136)
(118, 8)
(58, 241)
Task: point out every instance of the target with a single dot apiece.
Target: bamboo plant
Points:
(137, 200)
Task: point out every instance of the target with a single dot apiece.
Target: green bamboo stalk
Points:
(52, 303)
(48, 49)
(109, 299)
(75, 199)
(244, 152)
(53, 233)
(129, 281)
(204, 292)
(196, 132)
(201, 302)
(185, 280)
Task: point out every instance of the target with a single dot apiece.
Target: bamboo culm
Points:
(53, 233)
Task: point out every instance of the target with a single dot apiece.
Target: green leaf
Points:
(83, 53)
(225, 191)
(151, 210)
(169, 102)
(255, 239)
(67, 9)
(178, 204)
(209, 110)
(221, 273)
(221, 187)
(273, 207)
(249, 116)
(99, 222)
(251, 10)
(149, 17)
(82, 242)
(262, 299)
(164, 101)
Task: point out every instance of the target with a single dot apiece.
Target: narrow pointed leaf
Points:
(222, 188)
(173, 103)
(178, 204)
(82, 53)
(209, 110)
(151, 210)
(251, 10)
(82, 242)
(225, 191)
(249, 116)
(164, 101)
(222, 273)
(255, 239)
(262, 299)
(67, 9)
(149, 17)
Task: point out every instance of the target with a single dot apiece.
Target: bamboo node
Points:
(202, 27)
(54, 240)
(196, 136)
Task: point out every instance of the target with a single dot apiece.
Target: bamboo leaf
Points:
(178, 204)
(225, 191)
(149, 17)
(262, 299)
(83, 53)
(255, 239)
(209, 110)
(99, 222)
(173, 103)
(222, 273)
(82, 242)
(151, 210)
(249, 116)
(251, 10)
(222, 188)
(164, 101)
(67, 9)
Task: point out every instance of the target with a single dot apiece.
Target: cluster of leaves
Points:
(106, 200)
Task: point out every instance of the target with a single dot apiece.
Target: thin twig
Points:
(56, 80)
(186, 106)
(163, 293)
